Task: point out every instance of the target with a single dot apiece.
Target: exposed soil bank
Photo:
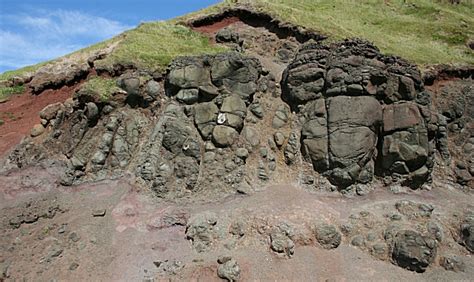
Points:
(255, 19)
(20, 113)
(443, 72)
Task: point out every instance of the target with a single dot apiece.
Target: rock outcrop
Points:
(360, 114)
(351, 112)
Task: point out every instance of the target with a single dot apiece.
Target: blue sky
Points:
(33, 31)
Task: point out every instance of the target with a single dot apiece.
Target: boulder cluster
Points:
(362, 113)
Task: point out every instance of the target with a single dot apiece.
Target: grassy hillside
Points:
(152, 46)
(423, 31)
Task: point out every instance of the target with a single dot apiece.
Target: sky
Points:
(33, 31)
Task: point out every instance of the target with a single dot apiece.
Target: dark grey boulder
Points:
(227, 35)
(224, 136)
(130, 84)
(205, 118)
(153, 89)
(188, 96)
(187, 72)
(236, 73)
(413, 251)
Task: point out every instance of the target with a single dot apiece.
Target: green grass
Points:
(152, 46)
(6, 92)
(422, 31)
(80, 55)
(425, 32)
(21, 71)
(101, 88)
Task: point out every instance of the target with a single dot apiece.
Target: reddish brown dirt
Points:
(20, 114)
(213, 28)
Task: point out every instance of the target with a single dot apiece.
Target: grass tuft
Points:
(6, 92)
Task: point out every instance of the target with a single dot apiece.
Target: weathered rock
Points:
(338, 91)
(291, 148)
(408, 148)
(205, 118)
(281, 241)
(188, 96)
(327, 236)
(129, 83)
(228, 269)
(414, 210)
(234, 104)
(304, 83)
(92, 111)
(257, 109)
(201, 230)
(358, 241)
(401, 116)
(467, 233)
(226, 35)
(37, 130)
(452, 263)
(58, 74)
(413, 251)
(251, 136)
(169, 267)
(99, 212)
(176, 133)
(49, 112)
(236, 73)
(436, 230)
(281, 117)
(224, 136)
(153, 89)
(187, 72)
(73, 266)
(242, 153)
(279, 139)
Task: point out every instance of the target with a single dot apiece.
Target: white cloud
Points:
(45, 35)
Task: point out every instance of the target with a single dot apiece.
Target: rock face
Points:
(359, 113)
(349, 111)
(207, 101)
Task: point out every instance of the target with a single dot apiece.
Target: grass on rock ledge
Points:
(102, 88)
(152, 46)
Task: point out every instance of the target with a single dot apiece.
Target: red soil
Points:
(213, 28)
(20, 114)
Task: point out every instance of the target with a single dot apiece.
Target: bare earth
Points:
(123, 244)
